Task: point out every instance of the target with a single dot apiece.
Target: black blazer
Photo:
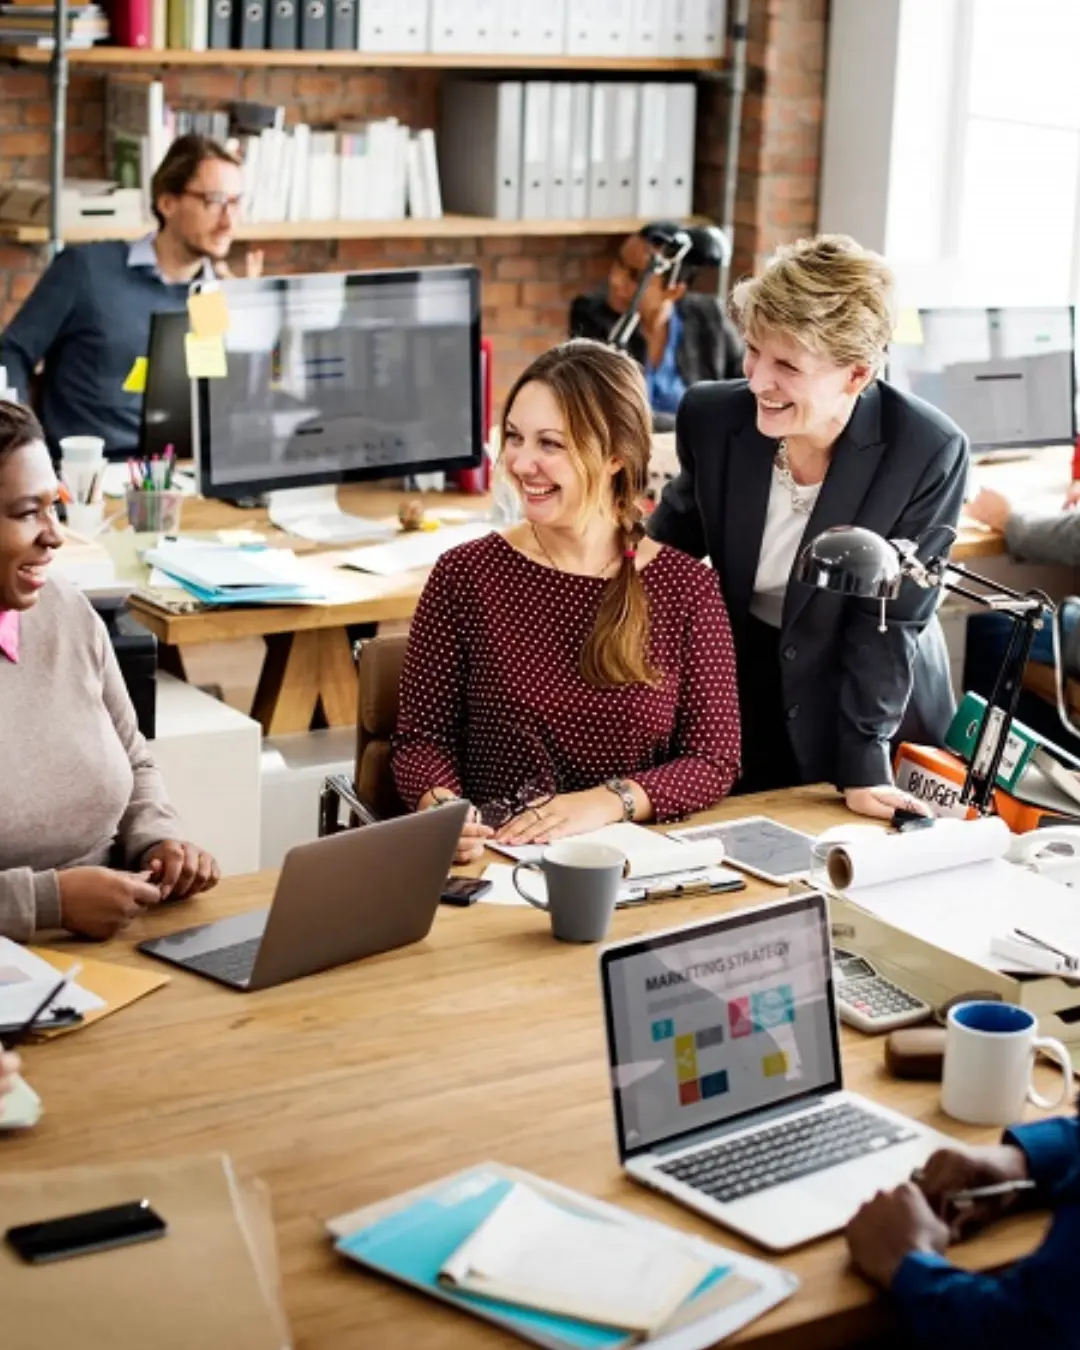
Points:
(899, 467)
(711, 348)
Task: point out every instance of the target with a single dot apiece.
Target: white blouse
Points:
(780, 540)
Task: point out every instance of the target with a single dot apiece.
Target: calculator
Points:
(868, 1001)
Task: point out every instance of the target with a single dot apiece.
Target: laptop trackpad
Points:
(210, 937)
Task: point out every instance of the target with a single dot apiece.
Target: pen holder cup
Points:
(154, 512)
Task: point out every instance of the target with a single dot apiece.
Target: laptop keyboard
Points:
(233, 964)
(786, 1151)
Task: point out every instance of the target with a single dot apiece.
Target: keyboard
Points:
(233, 964)
(788, 1150)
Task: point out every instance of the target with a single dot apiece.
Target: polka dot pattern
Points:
(493, 703)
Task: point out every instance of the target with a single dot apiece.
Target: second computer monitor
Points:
(166, 410)
(1005, 376)
(338, 377)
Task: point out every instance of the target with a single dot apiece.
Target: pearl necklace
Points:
(802, 506)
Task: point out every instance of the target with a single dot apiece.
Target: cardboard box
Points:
(82, 203)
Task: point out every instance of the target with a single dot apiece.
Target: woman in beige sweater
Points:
(87, 836)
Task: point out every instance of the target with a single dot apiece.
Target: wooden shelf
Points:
(450, 227)
(139, 56)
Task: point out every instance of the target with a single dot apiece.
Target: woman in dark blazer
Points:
(810, 439)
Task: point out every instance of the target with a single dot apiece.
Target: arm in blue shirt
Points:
(1033, 1303)
(29, 337)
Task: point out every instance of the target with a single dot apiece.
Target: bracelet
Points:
(440, 801)
(625, 794)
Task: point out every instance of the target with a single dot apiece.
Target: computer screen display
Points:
(719, 1020)
(1005, 376)
(343, 376)
(166, 410)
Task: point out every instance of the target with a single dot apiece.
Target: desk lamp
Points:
(674, 247)
(859, 562)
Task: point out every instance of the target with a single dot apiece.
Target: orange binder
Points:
(936, 777)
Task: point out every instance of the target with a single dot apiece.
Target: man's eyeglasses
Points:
(218, 200)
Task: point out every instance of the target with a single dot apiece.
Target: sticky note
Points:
(908, 331)
(209, 312)
(135, 382)
(205, 357)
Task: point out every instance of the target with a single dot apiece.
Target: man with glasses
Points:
(88, 319)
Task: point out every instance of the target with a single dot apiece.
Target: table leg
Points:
(288, 689)
(337, 678)
(300, 671)
(171, 660)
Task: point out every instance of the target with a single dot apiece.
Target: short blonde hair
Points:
(829, 293)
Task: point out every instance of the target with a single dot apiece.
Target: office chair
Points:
(378, 670)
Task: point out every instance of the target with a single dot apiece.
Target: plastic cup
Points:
(156, 512)
(82, 449)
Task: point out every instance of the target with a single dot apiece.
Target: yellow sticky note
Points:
(135, 383)
(205, 357)
(908, 331)
(209, 312)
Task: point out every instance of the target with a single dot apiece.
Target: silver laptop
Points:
(337, 899)
(726, 1076)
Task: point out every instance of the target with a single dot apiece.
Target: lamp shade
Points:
(853, 561)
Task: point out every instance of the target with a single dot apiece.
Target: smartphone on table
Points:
(463, 891)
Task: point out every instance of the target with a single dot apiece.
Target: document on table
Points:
(504, 892)
(647, 853)
(25, 979)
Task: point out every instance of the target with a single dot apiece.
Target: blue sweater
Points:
(1033, 1303)
(88, 319)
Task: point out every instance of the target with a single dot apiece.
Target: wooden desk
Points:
(308, 660)
(1038, 483)
(484, 1041)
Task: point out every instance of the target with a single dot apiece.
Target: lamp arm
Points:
(659, 263)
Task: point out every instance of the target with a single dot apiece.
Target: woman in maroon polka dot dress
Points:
(571, 672)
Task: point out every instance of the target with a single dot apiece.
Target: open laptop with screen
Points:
(338, 899)
(726, 1076)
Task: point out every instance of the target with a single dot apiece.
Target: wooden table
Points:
(485, 1041)
(308, 658)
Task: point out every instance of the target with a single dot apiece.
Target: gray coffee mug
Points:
(582, 887)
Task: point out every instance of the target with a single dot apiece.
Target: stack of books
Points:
(35, 25)
(559, 1268)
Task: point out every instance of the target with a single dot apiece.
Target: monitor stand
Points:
(313, 513)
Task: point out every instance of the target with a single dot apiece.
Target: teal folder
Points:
(413, 1244)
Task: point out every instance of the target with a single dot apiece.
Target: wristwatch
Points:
(625, 794)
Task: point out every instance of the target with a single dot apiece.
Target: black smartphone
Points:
(463, 890)
(95, 1230)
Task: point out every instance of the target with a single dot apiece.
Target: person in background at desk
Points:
(78, 788)
(899, 1238)
(88, 318)
(682, 337)
(570, 673)
(811, 439)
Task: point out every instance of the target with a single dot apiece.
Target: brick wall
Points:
(527, 282)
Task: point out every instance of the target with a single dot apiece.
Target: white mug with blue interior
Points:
(990, 1051)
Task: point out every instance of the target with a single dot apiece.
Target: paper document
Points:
(534, 1252)
(25, 979)
(647, 853)
(422, 549)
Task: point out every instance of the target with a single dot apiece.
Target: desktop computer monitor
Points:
(334, 378)
(166, 410)
(1007, 377)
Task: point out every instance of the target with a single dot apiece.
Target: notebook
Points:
(413, 1237)
(648, 853)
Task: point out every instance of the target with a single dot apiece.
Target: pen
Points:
(21, 1033)
(961, 1199)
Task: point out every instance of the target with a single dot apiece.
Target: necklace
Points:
(555, 566)
(802, 506)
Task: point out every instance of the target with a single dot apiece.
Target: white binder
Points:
(413, 24)
(646, 28)
(678, 27)
(536, 153)
(601, 193)
(707, 27)
(652, 152)
(465, 25)
(681, 112)
(562, 130)
(533, 29)
(580, 143)
(624, 139)
(480, 148)
(598, 28)
(379, 27)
